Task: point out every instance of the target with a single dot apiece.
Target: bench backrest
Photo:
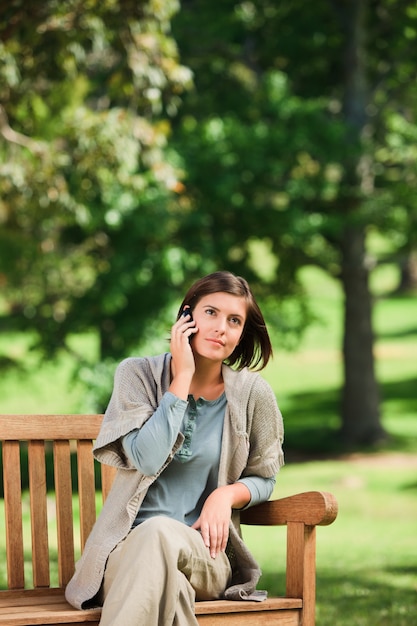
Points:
(63, 509)
(49, 444)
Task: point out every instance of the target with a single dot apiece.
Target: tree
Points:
(87, 92)
(298, 140)
(293, 104)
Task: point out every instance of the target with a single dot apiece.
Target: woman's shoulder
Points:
(138, 365)
(245, 379)
(134, 362)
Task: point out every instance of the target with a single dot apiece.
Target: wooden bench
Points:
(57, 537)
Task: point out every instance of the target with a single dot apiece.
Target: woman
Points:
(196, 436)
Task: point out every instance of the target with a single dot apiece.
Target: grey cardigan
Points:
(251, 445)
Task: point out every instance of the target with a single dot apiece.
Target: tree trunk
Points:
(360, 400)
(408, 274)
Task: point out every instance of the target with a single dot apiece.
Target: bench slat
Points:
(258, 618)
(51, 615)
(107, 476)
(86, 488)
(216, 607)
(51, 608)
(13, 515)
(47, 427)
(38, 509)
(64, 514)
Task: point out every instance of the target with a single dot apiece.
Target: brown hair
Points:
(254, 349)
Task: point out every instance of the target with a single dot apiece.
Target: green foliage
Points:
(87, 93)
(275, 140)
(120, 183)
(266, 179)
(302, 129)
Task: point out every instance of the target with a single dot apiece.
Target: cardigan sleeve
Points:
(266, 431)
(137, 391)
(254, 432)
(148, 447)
(260, 488)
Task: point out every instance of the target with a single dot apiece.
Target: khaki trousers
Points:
(154, 576)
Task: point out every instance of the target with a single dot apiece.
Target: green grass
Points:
(367, 572)
(39, 385)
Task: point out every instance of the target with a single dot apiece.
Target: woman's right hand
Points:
(183, 364)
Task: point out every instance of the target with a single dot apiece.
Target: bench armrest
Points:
(313, 508)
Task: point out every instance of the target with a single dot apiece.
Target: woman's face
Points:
(220, 318)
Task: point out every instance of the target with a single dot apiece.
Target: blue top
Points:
(182, 488)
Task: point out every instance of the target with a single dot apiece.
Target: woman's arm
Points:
(260, 488)
(148, 447)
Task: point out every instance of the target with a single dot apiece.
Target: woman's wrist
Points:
(238, 494)
(180, 385)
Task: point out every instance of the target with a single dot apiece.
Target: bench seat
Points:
(41, 606)
(48, 606)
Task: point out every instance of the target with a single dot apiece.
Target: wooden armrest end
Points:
(313, 508)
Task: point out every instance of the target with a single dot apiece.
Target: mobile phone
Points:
(187, 311)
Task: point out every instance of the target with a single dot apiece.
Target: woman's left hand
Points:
(214, 519)
(213, 522)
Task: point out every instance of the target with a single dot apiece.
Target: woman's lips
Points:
(218, 342)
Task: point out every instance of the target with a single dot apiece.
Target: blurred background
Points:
(144, 144)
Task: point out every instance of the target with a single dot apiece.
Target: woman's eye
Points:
(235, 321)
(210, 311)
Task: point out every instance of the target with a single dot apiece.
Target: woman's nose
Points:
(221, 325)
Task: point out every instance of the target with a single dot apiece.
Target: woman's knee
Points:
(158, 525)
(158, 531)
